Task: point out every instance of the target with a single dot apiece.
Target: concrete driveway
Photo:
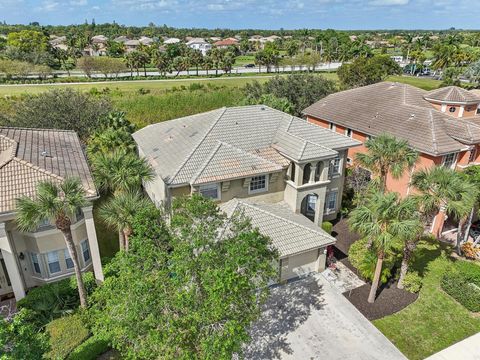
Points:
(310, 319)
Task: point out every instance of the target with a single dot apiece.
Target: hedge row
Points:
(463, 284)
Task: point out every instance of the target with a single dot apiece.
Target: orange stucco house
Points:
(442, 125)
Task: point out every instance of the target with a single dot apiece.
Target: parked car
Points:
(249, 65)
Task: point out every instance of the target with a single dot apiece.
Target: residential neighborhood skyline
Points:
(271, 14)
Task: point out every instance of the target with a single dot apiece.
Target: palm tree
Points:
(471, 174)
(387, 155)
(120, 211)
(120, 171)
(56, 203)
(381, 219)
(444, 192)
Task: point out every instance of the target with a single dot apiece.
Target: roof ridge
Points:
(434, 139)
(320, 230)
(224, 109)
(206, 162)
(311, 142)
(36, 129)
(37, 168)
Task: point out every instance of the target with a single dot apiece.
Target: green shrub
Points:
(53, 300)
(365, 260)
(90, 349)
(195, 86)
(462, 283)
(66, 334)
(412, 282)
(327, 226)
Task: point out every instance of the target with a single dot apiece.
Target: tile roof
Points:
(290, 233)
(452, 94)
(196, 148)
(400, 110)
(28, 156)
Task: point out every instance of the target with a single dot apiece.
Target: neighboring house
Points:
(168, 41)
(442, 125)
(121, 39)
(225, 44)
(144, 40)
(199, 44)
(261, 160)
(58, 42)
(29, 259)
(131, 45)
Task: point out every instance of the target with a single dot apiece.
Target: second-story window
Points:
(334, 168)
(449, 160)
(53, 262)
(258, 184)
(332, 126)
(68, 259)
(210, 191)
(473, 155)
(36, 263)
(348, 132)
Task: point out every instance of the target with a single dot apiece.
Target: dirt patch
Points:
(389, 300)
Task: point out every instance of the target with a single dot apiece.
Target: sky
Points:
(258, 14)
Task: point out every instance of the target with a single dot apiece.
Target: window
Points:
(332, 126)
(473, 155)
(452, 109)
(53, 262)
(334, 168)
(210, 191)
(369, 137)
(449, 160)
(331, 201)
(349, 161)
(79, 214)
(85, 250)
(36, 264)
(258, 184)
(348, 132)
(68, 259)
(311, 203)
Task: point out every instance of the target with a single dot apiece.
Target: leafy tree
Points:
(443, 192)
(20, 338)
(28, 41)
(196, 59)
(162, 62)
(365, 71)
(382, 218)
(387, 155)
(472, 175)
(65, 109)
(120, 171)
(56, 203)
(119, 213)
(281, 104)
(115, 49)
(300, 90)
(202, 287)
(291, 47)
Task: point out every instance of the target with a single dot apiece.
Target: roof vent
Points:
(412, 116)
(45, 153)
(262, 108)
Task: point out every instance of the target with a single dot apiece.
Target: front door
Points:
(5, 284)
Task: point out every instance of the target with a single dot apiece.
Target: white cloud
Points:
(389, 2)
(78, 2)
(146, 4)
(48, 5)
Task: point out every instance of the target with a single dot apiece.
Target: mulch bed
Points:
(389, 300)
(345, 238)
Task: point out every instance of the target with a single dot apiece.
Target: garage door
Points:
(298, 265)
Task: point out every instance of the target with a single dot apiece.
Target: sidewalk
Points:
(468, 349)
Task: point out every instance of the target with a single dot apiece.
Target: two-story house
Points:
(443, 125)
(285, 173)
(29, 259)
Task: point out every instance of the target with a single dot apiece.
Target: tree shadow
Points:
(427, 251)
(287, 307)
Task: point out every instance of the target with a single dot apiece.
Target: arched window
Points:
(306, 173)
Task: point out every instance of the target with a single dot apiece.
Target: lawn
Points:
(435, 321)
(421, 82)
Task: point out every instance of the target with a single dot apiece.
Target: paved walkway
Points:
(468, 349)
(310, 319)
(342, 278)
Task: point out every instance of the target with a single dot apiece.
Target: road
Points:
(238, 70)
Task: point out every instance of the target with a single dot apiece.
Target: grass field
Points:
(435, 320)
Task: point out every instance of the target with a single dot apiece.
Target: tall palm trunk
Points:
(121, 240)
(469, 225)
(407, 255)
(439, 221)
(376, 278)
(64, 226)
(461, 224)
(126, 234)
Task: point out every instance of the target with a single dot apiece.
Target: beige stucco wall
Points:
(302, 264)
(42, 242)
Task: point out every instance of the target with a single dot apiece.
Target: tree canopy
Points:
(189, 289)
